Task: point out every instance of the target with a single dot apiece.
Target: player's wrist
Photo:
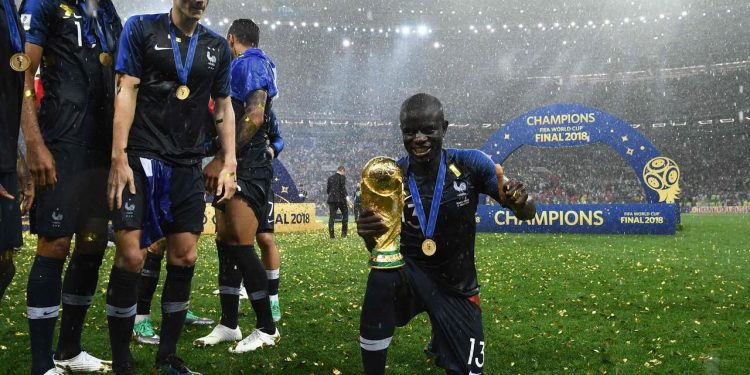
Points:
(118, 156)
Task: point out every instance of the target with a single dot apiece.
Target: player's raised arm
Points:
(227, 179)
(120, 173)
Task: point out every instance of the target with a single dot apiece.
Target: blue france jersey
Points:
(250, 72)
(165, 127)
(78, 102)
(469, 173)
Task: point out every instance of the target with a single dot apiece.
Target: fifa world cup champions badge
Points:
(383, 192)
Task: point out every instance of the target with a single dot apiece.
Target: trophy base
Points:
(386, 259)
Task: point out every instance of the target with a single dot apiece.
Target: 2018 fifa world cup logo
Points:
(662, 175)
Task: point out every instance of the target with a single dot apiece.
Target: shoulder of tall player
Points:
(471, 158)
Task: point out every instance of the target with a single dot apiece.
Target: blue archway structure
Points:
(574, 125)
(283, 184)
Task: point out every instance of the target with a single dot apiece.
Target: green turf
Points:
(552, 304)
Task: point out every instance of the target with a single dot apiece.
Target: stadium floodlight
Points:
(316, 24)
(346, 43)
(422, 30)
(405, 30)
(436, 45)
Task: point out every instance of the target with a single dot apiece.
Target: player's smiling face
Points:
(423, 137)
(191, 8)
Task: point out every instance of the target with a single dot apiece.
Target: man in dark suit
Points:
(336, 189)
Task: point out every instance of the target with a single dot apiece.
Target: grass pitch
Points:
(552, 304)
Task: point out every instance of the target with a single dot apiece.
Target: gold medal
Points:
(182, 92)
(105, 58)
(20, 62)
(429, 247)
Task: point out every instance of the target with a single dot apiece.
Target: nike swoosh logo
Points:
(156, 47)
(76, 16)
(48, 312)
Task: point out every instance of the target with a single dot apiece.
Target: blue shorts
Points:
(10, 214)
(162, 205)
(78, 202)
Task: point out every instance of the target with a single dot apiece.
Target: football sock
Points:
(7, 270)
(122, 297)
(273, 283)
(175, 301)
(256, 284)
(230, 279)
(377, 322)
(43, 307)
(79, 287)
(148, 282)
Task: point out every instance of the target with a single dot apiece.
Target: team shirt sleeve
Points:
(484, 172)
(250, 74)
(221, 84)
(37, 16)
(130, 52)
(274, 134)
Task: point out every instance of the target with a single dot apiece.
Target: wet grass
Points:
(552, 304)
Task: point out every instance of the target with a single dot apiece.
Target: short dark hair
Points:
(416, 106)
(246, 31)
(340, 168)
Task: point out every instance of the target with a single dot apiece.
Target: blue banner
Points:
(652, 218)
(283, 184)
(572, 125)
(575, 125)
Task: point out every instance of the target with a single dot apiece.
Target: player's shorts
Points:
(265, 222)
(254, 188)
(168, 199)
(457, 333)
(78, 201)
(10, 214)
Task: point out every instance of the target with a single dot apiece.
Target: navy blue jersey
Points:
(164, 127)
(250, 72)
(78, 103)
(11, 89)
(470, 173)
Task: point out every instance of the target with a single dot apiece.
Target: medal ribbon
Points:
(437, 196)
(15, 34)
(87, 18)
(183, 71)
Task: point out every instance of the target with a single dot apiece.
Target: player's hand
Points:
(120, 174)
(4, 194)
(370, 225)
(515, 194)
(227, 184)
(500, 173)
(41, 165)
(211, 175)
(27, 190)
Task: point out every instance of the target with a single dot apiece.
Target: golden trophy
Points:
(383, 192)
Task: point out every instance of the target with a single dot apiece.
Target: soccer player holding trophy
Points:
(438, 230)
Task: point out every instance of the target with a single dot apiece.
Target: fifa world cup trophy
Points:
(383, 192)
